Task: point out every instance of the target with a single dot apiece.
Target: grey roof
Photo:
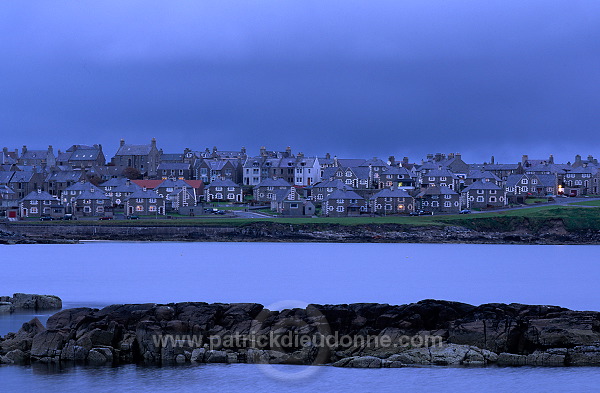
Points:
(85, 154)
(89, 194)
(34, 155)
(343, 194)
(394, 170)
(441, 173)
(223, 183)
(114, 182)
(144, 194)
(6, 190)
(171, 157)
(5, 176)
(21, 177)
(389, 193)
(589, 170)
(513, 180)
(274, 183)
(374, 162)
(127, 187)
(495, 167)
(170, 183)
(477, 174)
(64, 176)
(548, 180)
(437, 190)
(346, 162)
(482, 185)
(552, 168)
(83, 186)
(335, 183)
(281, 195)
(134, 150)
(39, 196)
(174, 166)
(6, 159)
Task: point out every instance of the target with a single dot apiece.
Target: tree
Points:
(132, 173)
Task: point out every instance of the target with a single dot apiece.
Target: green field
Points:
(586, 203)
(574, 218)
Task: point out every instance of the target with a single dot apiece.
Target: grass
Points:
(587, 203)
(531, 201)
(574, 218)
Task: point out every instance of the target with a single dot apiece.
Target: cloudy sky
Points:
(354, 78)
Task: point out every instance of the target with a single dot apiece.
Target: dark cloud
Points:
(354, 78)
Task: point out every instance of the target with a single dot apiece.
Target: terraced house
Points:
(91, 203)
(39, 203)
(223, 190)
(483, 195)
(582, 180)
(392, 201)
(438, 199)
(145, 202)
(344, 203)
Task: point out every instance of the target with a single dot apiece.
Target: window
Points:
(100, 209)
(493, 191)
(480, 191)
(293, 205)
(87, 209)
(435, 204)
(230, 196)
(139, 208)
(524, 181)
(348, 181)
(432, 179)
(152, 200)
(443, 178)
(479, 199)
(340, 201)
(34, 202)
(320, 196)
(100, 201)
(139, 200)
(152, 208)
(493, 199)
(219, 195)
(388, 199)
(87, 201)
(447, 204)
(448, 196)
(425, 203)
(230, 188)
(340, 209)
(34, 210)
(388, 207)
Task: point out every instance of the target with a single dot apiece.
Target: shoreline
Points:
(426, 333)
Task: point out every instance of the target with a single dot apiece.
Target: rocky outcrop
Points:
(365, 335)
(24, 302)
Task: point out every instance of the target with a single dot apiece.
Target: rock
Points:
(17, 357)
(213, 356)
(47, 344)
(232, 358)
(6, 308)
(198, 355)
(180, 359)
(360, 362)
(511, 359)
(588, 355)
(74, 352)
(23, 301)
(96, 358)
(24, 337)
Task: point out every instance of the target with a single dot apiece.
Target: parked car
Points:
(132, 217)
(69, 217)
(105, 218)
(46, 218)
(220, 212)
(465, 211)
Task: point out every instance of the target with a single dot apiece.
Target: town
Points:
(141, 180)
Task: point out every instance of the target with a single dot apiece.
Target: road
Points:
(557, 202)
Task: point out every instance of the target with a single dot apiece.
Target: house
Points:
(39, 203)
(179, 170)
(39, 158)
(181, 200)
(265, 190)
(223, 190)
(8, 157)
(396, 177)
(145, 202)
(441, 177)
(57, 180)
(209, 170)
(343, 203)
(70, 194)
(8, 199)
(438, 199)
(500, 170)
(279, 197)
(92, 203)
(82, 156)
(392, 201)
(321, 190)
(144, 158)
(356, 177)
(478, 175)
(119, 193)
(484, 194)
(25, 181)
(581, 180)
(521, 186)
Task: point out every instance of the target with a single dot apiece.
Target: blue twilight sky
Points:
(354, 78)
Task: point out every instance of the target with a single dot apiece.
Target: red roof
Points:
(198, 184)
(149, 184)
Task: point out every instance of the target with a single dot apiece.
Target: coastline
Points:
(480, 231)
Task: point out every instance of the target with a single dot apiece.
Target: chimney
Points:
(335, 161)
(429, 157)
(5, 150)
(551, 159)
(122, 143)
(493, 160)
(39, 190)
(243, 150)
(144, 189)
(93, 189)
(327, 156)
(524, 159)
(438, 156)
(451, 155)
(577, 159)
(405, 160)
(458, 156)
(50, 149)
(263, 151)
(288, 150)
(590, 158)
(153, 143)
(300, 155)
(24, 150)
(392, 160)
(214, 149)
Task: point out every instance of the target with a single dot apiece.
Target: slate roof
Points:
(21, 177)
(64, 176)
(441, 173)
(127, 187)
(477, 174)
(374, 162)
(5, 176)
(482, 185)
(223, 183)
(39, 196)
(389, 193)
(134, 150)
(350, 162)
(141, 194)
(83, 186)
(581, 170)
(34, 155)
(343, 194)
(274, 183)
(174, 166)
(513, 180)
(89, 194)
(335, 183)
(114, 182)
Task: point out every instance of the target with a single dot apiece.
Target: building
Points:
(265, 190)
(179, 170)
(92, 203)
(223, 190)
(70, 194)
(145, 202)
(392, 201)
(144, 158)
(344, 203)
(181, 200)
(39, 203)
(39, 158)
(438, 199)
(483, 195)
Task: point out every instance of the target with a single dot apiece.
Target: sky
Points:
(352, 78)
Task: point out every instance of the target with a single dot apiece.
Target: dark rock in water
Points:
(430, 332)
(23, 301)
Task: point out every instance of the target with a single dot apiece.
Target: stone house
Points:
(22, 182)
(57, 180)
(441, 177)
(265, 190)
(178, 170)
(83, 157)
(38, 158)
(39, 203)
(484, 194)
(438, 199)
(392, 201)
(181, 199)
(119, 193)
(298, 208)
(321, 190)
(477, 175)
(344, 203)
(396, 177)
(145, 202)
(8, 199)
(521, 186)
(581, 180)
(71, 193)
(209, 170)
(144, 158)
(223, 190)
(355, 177)
(92, 203)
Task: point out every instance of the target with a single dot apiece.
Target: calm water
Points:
(97, 274)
